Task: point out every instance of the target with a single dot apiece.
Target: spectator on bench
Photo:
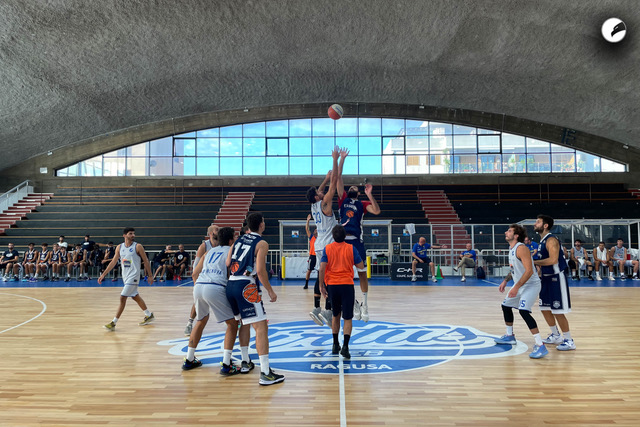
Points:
(29, 262)
(76, 262)
(54, 263)
(43, 262)
(579, 260)
(109, 253)
(95, 257)
(64, 262)
(161, 261)
(619, 256)
(62, 243)
(602, 256)
(467, 259)
(10, 262)
(180, 262)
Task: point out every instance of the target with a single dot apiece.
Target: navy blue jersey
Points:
(30, 255)
(544, 254)
(55, 256)
(43, 255)
(64, 257)
(351, 213)
(243, 255)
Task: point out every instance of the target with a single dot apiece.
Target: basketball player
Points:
(132, 255)
(9, 262)
(336, 270)
(205, 246)
(555, 301)
(64, 262)
(29, 263)
(54, 263)
(43, 262)
(311, 263)
(619, 256)
(524, 292)
(351, 212)
(322, 212)
(601, 256)
(579, 260)
(210, 276)
(247, 259)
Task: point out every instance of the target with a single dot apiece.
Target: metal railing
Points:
(14, 195)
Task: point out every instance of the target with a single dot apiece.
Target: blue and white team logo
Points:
(375, 347)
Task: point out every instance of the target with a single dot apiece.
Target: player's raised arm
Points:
(327, 200)
(373, 208)
(339, 181)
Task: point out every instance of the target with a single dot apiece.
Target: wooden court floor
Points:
(63, 368)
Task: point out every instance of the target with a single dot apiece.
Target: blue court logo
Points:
(375, 347)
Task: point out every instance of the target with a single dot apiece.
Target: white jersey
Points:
(214, 268)
(517, 267)
(579, 253)
(130, 263)
(601, 254)
(618, 253)
(324, 225)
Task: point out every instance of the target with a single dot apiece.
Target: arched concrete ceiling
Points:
(71, 70)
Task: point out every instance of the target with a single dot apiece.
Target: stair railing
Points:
(14, 195)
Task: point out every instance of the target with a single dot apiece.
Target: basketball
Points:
(335, 111)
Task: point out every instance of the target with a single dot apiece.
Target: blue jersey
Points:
(351, 213)
(421, 250)
(556, 268)
(533, 246)
(243, 256)
(55, 256)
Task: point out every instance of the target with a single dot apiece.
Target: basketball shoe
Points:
(147, 319)
(364, 315)
(345, 353)
(336, 349)
(228, 370)
(356, 310)
(270, 378)
(506, 340)
(566, 345)
(247, 367)
(553, 339)
(188, 329)
(110, 326)
(539, 351)
(195, 363)
(327, 316)
(315, 316)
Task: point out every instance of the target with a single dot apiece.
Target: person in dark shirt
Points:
(109, 253)
(161, 262)
(180, 262)
(88, 244)
(9, 262)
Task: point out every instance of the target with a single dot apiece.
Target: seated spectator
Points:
(76, 262)
(62, 243)
(467, 259)
(419, 255)
(109, 253)
(54, 263)
(95, 257)
(602, 256)
(88, 244)
(42, 266)
(161, 261)
(579, 261)
(64, 262)
(9, 262)
(619, 256)
(180, 262)
(533, 247)
(29, 263)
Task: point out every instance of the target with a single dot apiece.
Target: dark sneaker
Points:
(195, 363)
(270, 378)
(246, 367)
(336, 349)
(345, 353)
(147, 319)
(67, 279)
(228, 370)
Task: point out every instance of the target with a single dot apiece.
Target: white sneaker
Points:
(414, 278)
(315, 316)
(188, 329)
(464, 279)
(356, 310)
(611, 276)
(327, 316)
(566, 345)
(434, 279)
(635, 277)
(598, 277)
(5, 279)
(553, 339)
(365, 313)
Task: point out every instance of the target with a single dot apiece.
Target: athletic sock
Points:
(509, 330)
(567, 335)
(554, 330)
(316, 301)
(537, 339)
(306, 283)
(346, 341)
(327, 304)
(191, 354)
(147, 313)
(264, 364)
(364, 296)
(226, 358)
(245, 354)
(115, 320)
(335, 339)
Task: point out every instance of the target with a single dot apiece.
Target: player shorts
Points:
(342, 298)
(245, 299)
(359, 245)
(526, 297)
(312, 262)
(129, 291)
(554, 294)
(426, 260)
(212, 298)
